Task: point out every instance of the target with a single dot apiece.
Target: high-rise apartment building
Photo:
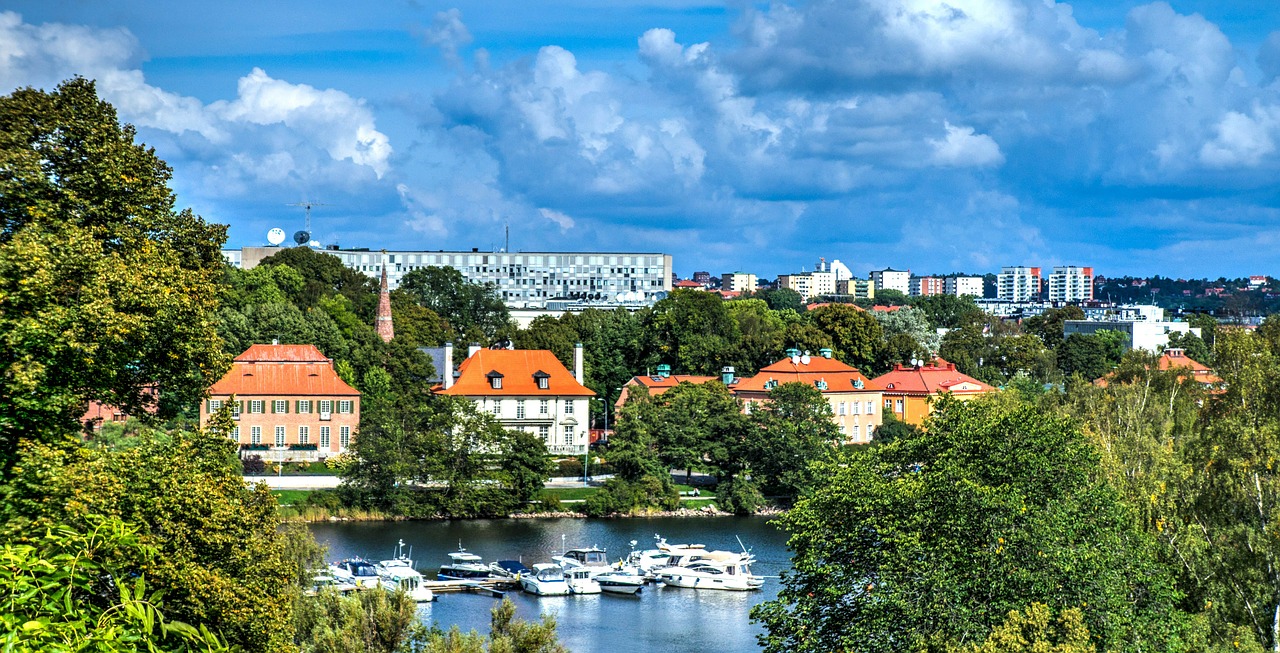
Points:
(1069, 283)
(922, 286)
(891, 279)
(960, 286)
(738, 282)
(1018, 284)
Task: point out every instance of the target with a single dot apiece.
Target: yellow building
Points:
(909, 389)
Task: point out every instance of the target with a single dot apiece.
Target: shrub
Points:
(740, 496)
(253, 465)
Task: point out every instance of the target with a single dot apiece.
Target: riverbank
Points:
(322, 515)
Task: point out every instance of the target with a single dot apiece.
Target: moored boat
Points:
(720, 570)
(464, 565)
(547, 579)
(356, 571)
(620, 582)
(398, 573)
(508, 569)
(580, 581)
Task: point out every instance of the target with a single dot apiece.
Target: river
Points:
(658, 619)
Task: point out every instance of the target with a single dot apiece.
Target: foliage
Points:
(855, 335)
(1192, 345)
(792, 430)
(694, 422)
(739, 495)
(693, 331)
(778, 299)
(1091, 355)
(930, 540)
(1050, 325)
(619, 496)
(506, 635)
(219, 556)
(474, 312)
(946, 311)
(1035, 631)
(376, 621)
(74, 591)
(106, 291)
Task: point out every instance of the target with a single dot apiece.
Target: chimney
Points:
(577, 362)
(472, 349)
(446, 372)
(383, 325)
(826, 353)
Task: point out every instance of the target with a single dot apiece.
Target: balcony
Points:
(567, 449)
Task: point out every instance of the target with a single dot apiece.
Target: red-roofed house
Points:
(658, 383)
(910, 389)
(688, 285)
(529, 390)
(290, 404)
(855, 400)
(1176, 358)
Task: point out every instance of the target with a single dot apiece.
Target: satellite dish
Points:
(275, 236)
(301, 237)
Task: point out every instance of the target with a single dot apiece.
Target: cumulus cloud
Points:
(447, 32)
(563, 221)
(1241, 141)
(962, 147)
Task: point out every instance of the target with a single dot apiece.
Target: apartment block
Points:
(738, 282)
(891, 279)
(1018, 284)
(961, 286)
(809, 284)
(922, 286)
(858, 288)
(1070, 283)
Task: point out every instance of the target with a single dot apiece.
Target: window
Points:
(840, 408)
(544, 432)
(897, 406)
(888, 403)
(857, 408)
(255, 406)
(344, 406)
(304, 435)
(568, 435)
(215, 405)
(519, 409)
(568, 406)
(304, 406)
(871, 428)
(497, 407)
(544, 407)
(280, 406)
(344, 436)
(543, 383)
(255, 435)
(236, 407)
(235, 433)
(326, 405)
(324, 438)
(279, 436)
(871, 408)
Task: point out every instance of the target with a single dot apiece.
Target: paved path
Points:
(296, 482)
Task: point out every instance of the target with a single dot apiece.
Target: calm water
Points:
(659, 619)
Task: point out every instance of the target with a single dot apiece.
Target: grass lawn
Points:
(291, 497)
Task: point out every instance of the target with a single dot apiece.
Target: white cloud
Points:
(448, 33)
(1241, 141)
(563, 221)
(962, 147)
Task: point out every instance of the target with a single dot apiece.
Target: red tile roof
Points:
(940, 376)
(686, 284)
(658, 384)
(838, 376)
(517, 368)
(282, 370)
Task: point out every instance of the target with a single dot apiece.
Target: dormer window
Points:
(495, 379)
(542, 379)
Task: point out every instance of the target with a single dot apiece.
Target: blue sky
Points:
(940, 136)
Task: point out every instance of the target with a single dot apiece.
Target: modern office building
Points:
(1068, 283)
(523, 279)
(1018, 284)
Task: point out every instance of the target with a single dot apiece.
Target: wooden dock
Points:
(495, 587)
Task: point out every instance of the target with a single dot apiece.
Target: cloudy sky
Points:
(939, 135)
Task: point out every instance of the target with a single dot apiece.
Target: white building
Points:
(1151, 336)
(1069, 283)
(891, 279)
(960, 286)
(738, 281)
(528, 390)
(809, 284)
(1018, 284)
(524, 279)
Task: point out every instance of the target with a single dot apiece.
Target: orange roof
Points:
(1176, 358)
(517, 368)
(282, 370)
(282, 354)
(686, 284)
(940, 376)
(838, 376)
(658, 384)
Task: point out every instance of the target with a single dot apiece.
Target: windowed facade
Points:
(235, 433)
(324, 438)
(279, 436)
(215, 405)
(568, 406)
(544, 432)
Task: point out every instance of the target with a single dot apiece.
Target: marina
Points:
(622, 610)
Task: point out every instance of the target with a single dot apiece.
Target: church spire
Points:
(383, 326)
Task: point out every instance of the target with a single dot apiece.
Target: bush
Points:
(570, 467)
(740, 496)
(253, 465)
(327, 499)
(550, 503)
(623, 497)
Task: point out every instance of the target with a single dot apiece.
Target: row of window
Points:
(304, 436)
(855, 408)
(896, 405)
(544, 406)
(853, 431)
(569, 434)
(279, 406)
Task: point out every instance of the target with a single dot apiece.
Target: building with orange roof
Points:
(289, 403)
(909, 390)
(855, 400)
(528, 390)
(658, 383)
(1175, 358)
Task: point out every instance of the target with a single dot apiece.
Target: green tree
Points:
(1192, 345)
(1035, 631)
(1091, 355)
(762, 331)
(474, 311)
(933, 539)
(778, 299)
(506, 635)
(109, 293)
(694, 331)
(890, 297)
(694, 422)
(1050, 325)
(376, 621)
(946, 311)
(322, 275)
(856, 336)
(792, 430)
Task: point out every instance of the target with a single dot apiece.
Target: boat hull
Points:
(543, 588)
(696, 581)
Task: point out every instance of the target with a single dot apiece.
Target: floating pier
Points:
(495, 587)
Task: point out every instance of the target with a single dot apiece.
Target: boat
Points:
(356, 571)
(720, 570)
(647, 561)
(580, 581)
(591, 558)
(464, 565)
(508, 569)
(398, 573)
(324, 580)
(620, 582)
(547, 579)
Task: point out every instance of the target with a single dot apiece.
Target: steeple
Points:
(385, 329)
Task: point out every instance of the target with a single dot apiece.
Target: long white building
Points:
(523, 279)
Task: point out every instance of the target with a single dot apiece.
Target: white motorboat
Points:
(356, 571)
(464, 565)
(591, 558)
(398, 573)
(720, 570)
(580, 581)
(620, 582)
(325, 581)
(647, 561)
(547, 579)
(509, 569)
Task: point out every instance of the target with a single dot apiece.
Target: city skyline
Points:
(965, 136)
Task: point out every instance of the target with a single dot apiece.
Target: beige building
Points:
(855, 400)
(809, 284)
(961, 286)
(891, 279)
(858, 288)
(738, 282)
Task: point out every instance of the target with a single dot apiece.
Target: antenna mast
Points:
(307, 206)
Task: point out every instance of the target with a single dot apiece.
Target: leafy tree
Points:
(946, 311)
(376, 621)
(1208, 326)
(1051, 325)
(694, 422)
(933, 539)
(415, 324)
(791, 430)
(762, 331)
(778, 299)
(641, 481)
(694, 331)
(474, 311)
(805, 337)
(219, 556)
(1192, 345)
(1091, 355)
(324, 275)
(890, 297)
(1035, 631)
(109, 292)
(855, 335)
(908, 336)
(506, 634)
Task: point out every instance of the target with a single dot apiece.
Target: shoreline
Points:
(679, 512)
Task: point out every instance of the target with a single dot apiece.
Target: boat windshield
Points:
(594, 558)
(363, 569)
(551, 573)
